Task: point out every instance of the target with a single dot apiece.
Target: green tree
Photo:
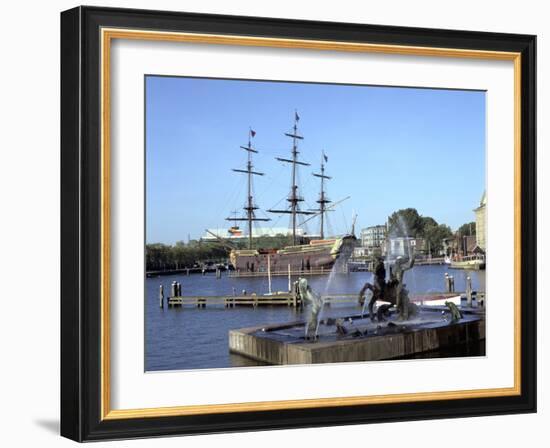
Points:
(467, 229)
(405, 222)
(434, 235)
(427, 221)
(163, 257)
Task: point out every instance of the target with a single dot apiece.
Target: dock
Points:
(286, 299)
(229, 301)
(286, 273)
(186, 271)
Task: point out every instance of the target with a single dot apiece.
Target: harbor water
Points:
(197, 338)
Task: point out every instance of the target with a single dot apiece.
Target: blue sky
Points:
(388, 148)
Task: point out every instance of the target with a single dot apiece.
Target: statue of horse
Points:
(386, 294)
(393, 291)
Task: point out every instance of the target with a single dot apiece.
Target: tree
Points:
(467, 229)
(405, 222)
(435, 234)
(427, 221)
(162, 257)
(409, 223)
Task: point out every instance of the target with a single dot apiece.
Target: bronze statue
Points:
(401, 293)
(393, 291)
(307, 296)
(456, 314)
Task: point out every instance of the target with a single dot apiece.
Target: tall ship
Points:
(307, 254)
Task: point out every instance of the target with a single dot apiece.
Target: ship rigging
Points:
(250, 206)
(294, 198)
(309, 256)
(323, 199)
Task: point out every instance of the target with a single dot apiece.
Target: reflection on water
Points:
(193, 338)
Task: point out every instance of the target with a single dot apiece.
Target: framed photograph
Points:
(273, 223)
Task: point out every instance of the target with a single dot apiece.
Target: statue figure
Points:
(307, 296)
(374, 295)
(340, 329)
(383, 312)
(376, 290)
(401, 293)
(379, 274)
(456, 314)
(393, 291)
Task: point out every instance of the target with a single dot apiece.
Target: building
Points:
(481, 217)
(235, 233)
(399, 246)
(461, 246)
(360, 252)
(366, 252)
(374, 236)
(450, 245)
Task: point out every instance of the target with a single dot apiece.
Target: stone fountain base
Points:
(363, 340)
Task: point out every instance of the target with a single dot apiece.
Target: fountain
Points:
(397, 328)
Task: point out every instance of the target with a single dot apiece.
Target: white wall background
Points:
(29, 224)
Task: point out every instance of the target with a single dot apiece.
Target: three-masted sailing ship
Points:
(305, 254)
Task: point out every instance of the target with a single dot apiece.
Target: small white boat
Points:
(438, 301)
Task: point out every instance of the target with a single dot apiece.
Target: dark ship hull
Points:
(318, 256)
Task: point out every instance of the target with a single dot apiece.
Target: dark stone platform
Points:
(364, 340)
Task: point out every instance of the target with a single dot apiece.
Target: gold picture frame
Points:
(109, 25)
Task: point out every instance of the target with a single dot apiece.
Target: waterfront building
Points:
(398, 246)
(469, 245)
(374, 236)
(366, 252)
(480, 222)
(360, 252)
(450, 245)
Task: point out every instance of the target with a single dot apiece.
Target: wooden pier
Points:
(286, 299)
(229, 301)
(185, 271)
(285, 273)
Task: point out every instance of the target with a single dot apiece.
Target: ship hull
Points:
(316, 256)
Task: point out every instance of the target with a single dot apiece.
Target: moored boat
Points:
(473, 262)
(314, 256)
(305, 254)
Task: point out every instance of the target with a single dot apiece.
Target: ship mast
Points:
(323, 199)
(294, 198)
(250, 206)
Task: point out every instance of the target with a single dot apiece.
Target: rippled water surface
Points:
(197, 338)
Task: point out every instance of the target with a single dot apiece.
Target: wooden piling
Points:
(173, 289)
(289, 279)
(469, 290)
